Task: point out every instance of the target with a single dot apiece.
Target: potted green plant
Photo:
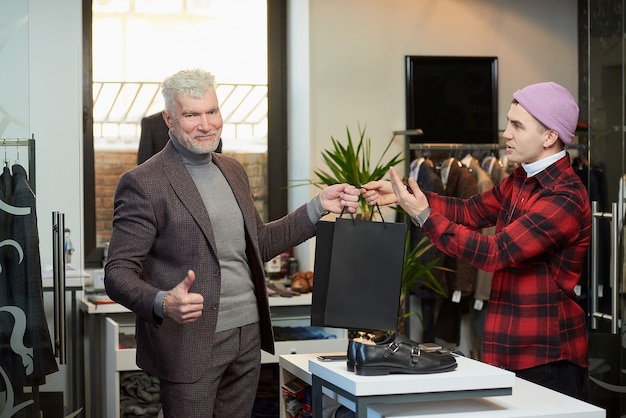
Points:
(415, 272)
(351, 163)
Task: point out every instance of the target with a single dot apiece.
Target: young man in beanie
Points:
(534, 325)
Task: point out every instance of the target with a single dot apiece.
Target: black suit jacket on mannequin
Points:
(154, 136)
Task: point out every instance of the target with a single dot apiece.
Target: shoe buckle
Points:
(415, 353)
(391, 349)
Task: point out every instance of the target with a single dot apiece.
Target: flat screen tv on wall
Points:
(452, 99)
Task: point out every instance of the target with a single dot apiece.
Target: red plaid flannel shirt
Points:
(543, 229)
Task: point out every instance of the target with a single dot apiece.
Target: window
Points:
(227, 38)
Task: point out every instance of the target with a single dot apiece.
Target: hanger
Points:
(488, 163)
(415, 167)
(6, 160)
(17, 161)
(445, 170)
(467, 159)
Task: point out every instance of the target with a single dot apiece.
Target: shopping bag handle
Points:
(343, 210)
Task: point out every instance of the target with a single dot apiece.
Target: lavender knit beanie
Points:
(552, 105)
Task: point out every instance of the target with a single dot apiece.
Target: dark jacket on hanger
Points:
(460, 183)
(428, 180)
(494, 168)
(25, 285)
(483, 183)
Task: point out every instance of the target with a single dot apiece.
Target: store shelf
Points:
(101, 308)
(117, 359)
(285, 312)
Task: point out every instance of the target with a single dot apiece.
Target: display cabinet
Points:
(118, 358)
(117, 323)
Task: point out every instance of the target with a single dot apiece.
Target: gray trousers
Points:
(228, 389)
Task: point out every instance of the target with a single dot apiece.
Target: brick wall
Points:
(111, 164)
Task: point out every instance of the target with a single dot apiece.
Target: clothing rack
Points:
(29, 143)
(455, 146)
(461, 146)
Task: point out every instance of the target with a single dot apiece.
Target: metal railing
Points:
(119, 107)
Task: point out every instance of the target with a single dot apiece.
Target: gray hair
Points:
(193, 83)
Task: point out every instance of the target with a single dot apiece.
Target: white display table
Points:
(528, 400)
(473, 390)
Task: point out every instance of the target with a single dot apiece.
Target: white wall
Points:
(355, 53)
(346, 68)
(55, 91)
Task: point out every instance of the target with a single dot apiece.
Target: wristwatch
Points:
(421, 217)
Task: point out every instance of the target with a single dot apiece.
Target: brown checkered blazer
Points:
(161, 229)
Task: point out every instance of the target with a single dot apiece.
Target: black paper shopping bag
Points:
(358, 274)
(323, 249)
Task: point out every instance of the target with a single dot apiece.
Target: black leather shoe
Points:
(384, 339)
(400, 356)
(351, 354)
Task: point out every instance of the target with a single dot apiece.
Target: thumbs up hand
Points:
(182, 306)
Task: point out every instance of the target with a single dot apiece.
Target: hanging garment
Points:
(494, 168)
(24, 290)
(6, 319)
(483, 278)
(428, 180)
(483, 183)
(508, 166)
(460, 183)
(6, 189)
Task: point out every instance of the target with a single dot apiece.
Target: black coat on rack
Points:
(22, 286)
(459, 183)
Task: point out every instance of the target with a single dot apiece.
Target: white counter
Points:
(528, 400)
(525, 400)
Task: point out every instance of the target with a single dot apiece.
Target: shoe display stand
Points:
(105, 323)
(474, 389)
(471, 379)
